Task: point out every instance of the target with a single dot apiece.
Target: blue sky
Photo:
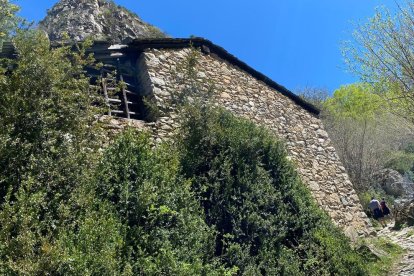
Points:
(294, 42)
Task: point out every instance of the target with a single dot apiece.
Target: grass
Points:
(400, 226)
(392, 254)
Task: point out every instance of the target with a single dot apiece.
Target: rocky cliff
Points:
(100, 19)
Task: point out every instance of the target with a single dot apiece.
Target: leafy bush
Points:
(401, 161)
(91, 245)
(266, 220)
(47, 148)
(165, 231)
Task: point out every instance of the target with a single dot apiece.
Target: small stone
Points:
(166, 127)
(225, 95)
(149, 56)
(322, 133)
(158, 82)
(161, 92)
(201, 75)
(301, 143)
(344, 201)
(243, 98)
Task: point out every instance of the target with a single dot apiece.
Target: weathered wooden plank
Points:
(130, 92)
(124, 97)
(130, 85)
(114, 100)
(105, 92)
(123, 112)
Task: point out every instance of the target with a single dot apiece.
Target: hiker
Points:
(384, 207)
(375, 208)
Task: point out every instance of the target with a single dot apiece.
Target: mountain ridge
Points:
(98, 19)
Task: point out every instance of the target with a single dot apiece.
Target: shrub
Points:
(165, 232)
(401, 161)
(91, 245)
(48, 145)
(266, 219)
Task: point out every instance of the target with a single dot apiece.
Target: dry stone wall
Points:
(308, 144)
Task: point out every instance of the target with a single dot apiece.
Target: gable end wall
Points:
(308, 144)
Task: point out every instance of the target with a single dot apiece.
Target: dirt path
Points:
(405, 239)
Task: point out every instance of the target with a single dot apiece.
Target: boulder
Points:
(404, 212)
(393, 183)
(370, 252)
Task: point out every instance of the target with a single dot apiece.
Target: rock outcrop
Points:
(99, 19)
(404, 212)
(393, 183)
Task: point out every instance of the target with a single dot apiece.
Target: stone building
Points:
(149, 69)
(248, 93)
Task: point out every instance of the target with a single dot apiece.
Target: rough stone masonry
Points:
(308, 144)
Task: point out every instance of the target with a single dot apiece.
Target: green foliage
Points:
(266, 220)
(401, 161)
(46, 113)
(355, 101)
(91, 245)
(165, 232)
(47, 145)
(381, 54)
(365, 132)
(8, 19)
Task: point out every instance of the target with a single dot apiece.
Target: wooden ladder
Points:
(121, 96)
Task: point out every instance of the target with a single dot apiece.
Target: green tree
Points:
(382, 53)
(8, 19)
(47, 143)
(356, 101)
(364, 130)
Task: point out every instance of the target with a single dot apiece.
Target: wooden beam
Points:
(105, 92)
(124, 97)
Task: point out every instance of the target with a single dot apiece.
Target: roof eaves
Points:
(176, 43)
(8, 51)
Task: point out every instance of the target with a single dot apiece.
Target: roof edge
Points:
(8, 51)
(198, 42)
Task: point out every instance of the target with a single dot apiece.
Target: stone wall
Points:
(308, 144)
